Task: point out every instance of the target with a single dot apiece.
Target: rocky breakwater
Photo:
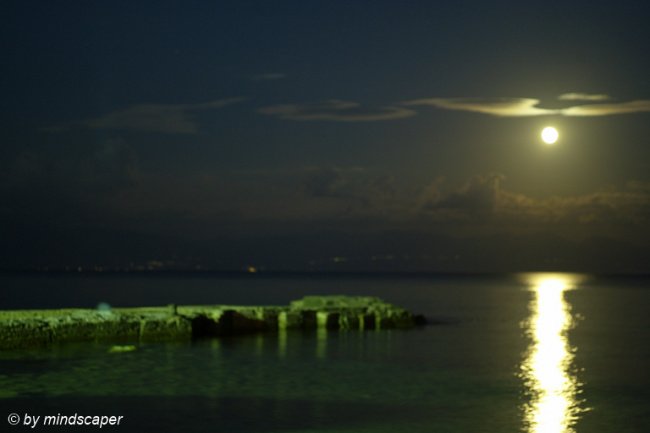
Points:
(35, 328)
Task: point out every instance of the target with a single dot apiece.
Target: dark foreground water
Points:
(534, 353)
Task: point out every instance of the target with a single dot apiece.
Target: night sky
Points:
(326, 135)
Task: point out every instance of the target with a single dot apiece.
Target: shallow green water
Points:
(314, 380)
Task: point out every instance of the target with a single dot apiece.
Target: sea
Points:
(537, 352)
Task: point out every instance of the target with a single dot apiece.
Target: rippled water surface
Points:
(533, 353)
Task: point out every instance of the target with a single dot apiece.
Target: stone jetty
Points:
(39, 328)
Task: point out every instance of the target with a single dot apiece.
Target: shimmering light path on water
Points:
(548, 370)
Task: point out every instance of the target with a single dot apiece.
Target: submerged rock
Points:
(119, 349)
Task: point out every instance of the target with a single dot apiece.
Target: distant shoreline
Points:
(301, 273)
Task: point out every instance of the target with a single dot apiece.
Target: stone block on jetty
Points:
(36, 328)
(355, 312)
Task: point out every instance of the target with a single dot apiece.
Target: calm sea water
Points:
(533, 353)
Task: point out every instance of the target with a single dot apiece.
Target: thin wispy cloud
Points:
(522, 107)
(335, 110)
(504, 107)
(639, 106)
(267, 77)
(582, 97)
(164, 118)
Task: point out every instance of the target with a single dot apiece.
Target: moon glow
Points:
(549, 135)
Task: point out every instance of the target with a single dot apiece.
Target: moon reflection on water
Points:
(548, 370)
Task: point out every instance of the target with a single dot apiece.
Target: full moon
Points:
(549, 135)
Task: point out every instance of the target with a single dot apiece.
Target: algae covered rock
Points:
(336, 301)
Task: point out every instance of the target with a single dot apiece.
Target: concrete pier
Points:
(38, 328)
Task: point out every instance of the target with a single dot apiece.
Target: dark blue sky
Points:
(284, 134)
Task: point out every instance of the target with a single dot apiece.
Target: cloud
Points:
(98, 170)
(300, 194)
(482, 198)
(323, 182)
(620, 206)
(267, 77)
(147, 117)
(480, 203)
(335, 110)
(113, 167)
(639, 106)
(104, 185)
(582, 97)
(76, 187)
(383, 187)
(505, 107)
(165, 118)
(520, 107)
(431, 195)
(479, 195)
